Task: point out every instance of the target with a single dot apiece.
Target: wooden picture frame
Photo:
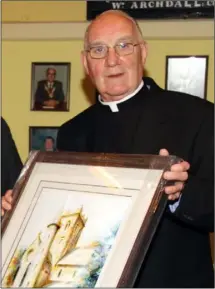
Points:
(43, 138)
(107, 205)
(187, 74)
(50, 86)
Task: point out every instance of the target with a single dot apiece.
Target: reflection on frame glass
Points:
(50, 89)
(82, 220)
(187, 74)
(42, 138)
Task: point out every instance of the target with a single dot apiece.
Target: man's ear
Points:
(144, 52)
(84, 62)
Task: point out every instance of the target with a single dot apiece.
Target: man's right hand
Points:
(6, 202)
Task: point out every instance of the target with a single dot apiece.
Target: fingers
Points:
(8, 196)
(2, 212)
(179, 176)
(174, 192)
(174, 197)
(163, 152)
(9, 192)
(181, 167)
(6, 201)
(178, 187)
(178, 172)
(5, 204)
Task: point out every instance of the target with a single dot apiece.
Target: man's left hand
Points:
(178, 173)
(6, 202)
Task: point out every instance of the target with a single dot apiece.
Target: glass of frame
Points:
(187, 74)
(50, 86)
(82, 220)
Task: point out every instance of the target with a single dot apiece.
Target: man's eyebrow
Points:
(123, 38)
(95, 43)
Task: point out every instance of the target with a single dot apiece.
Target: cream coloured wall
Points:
(43, 11)
(158, 50)
(16, 85)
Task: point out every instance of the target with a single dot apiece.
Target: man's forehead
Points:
(110, 34)
(110, 23)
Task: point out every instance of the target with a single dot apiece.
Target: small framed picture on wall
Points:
(50, 86)
(187, 74)
(42, 138)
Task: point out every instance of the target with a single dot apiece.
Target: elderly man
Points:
(131, 117)
(49, 91)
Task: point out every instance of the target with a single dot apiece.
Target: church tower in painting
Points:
(66, 238)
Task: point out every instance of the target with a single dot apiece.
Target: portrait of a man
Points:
(42, 138)
(50, 89)
(49, 144)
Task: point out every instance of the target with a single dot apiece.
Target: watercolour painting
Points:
(74, 243)
(81, 220)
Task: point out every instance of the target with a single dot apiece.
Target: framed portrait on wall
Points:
(187, 74)
(42, 138)
(82, 220)
(50, 86)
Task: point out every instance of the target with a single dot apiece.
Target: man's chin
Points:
(114, 95)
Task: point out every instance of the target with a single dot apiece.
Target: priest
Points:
(134, 116)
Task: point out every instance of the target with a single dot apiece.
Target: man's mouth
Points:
(115, 75)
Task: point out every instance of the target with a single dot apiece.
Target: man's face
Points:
(51, 73)
(115, 76)
(49, 146)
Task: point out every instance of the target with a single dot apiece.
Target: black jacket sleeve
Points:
(197, 202)
(11, 164)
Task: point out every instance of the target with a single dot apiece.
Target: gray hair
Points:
(51, 68)
(117, 12)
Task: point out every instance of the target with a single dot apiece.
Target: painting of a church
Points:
(54, 259)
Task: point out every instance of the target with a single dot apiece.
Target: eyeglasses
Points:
(122, 49)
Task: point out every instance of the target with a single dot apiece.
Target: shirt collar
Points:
(113, 104)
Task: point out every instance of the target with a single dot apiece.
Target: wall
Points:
(16, 89)
(156, 61)
(43, 11)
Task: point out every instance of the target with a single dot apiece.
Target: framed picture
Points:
(82, 220)
(187, 74)
(50, 86)
(42, 138)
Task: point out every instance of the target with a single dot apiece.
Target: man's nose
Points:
(112, 57)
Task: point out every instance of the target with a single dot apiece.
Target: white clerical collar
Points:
(113, 104)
